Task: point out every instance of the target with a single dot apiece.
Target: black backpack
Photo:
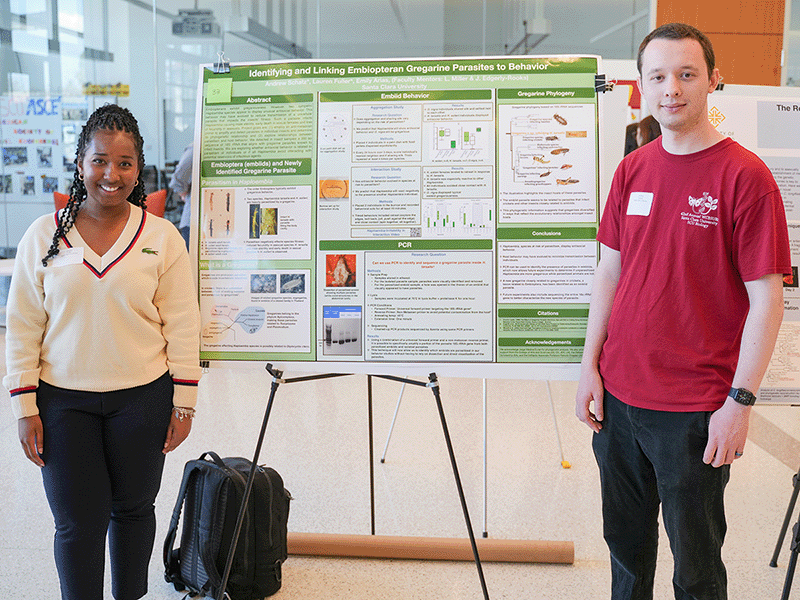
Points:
(211, 491)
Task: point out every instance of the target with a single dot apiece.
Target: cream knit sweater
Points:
(106, 323)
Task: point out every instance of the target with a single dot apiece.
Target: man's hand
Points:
(590, 389)
(590, 385)
(727, 433)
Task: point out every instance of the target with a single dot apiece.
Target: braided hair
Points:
(109, 117)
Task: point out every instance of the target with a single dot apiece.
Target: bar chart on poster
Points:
(381, 215)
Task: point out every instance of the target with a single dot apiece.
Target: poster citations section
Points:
(423, 211)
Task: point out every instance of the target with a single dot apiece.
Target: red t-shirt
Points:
(691, 229)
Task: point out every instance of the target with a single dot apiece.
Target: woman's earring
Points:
(80, 175)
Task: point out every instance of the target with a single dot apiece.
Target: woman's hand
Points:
(31, 436)
(176, 432)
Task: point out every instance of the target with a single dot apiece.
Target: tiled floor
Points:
(318, 439)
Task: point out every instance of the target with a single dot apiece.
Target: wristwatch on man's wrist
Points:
(742, 396)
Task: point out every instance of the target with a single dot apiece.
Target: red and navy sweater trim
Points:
(24, 390)
(189, 382)
(91, 267)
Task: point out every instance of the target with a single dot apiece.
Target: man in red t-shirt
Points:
(686, 305)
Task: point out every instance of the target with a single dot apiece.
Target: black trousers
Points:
(103, 463)
(651, 458)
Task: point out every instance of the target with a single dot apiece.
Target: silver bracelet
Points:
(183, 412)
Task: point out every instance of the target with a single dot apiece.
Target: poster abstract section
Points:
(436, 210)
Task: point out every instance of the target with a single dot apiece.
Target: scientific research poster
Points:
(398, 211)
(759, 123)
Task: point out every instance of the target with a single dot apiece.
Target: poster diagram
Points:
(398, 212)
(334, 130)
(226, 318)
(546, 162)
(251, 310)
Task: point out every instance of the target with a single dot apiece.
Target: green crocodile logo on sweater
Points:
(149, 251)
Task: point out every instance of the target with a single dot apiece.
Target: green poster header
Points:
(395, 244)
(545, 94)
(327, 69)
(540, 342)
(538, 313)
(276, 99)
(255, 168)
(546, 233)
(392, 96)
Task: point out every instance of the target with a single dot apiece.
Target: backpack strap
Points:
(214, 574)
(171, 562)
(215, 458)
(171, 568)
(171, 556)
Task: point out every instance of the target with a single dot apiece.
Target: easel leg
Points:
(485, 455)
(786, 519)
(795, 548)
(434, 385)
(276, 376)
(277, 379)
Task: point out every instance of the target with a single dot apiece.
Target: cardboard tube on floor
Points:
(425, 548)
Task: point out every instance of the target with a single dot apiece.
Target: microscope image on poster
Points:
(263, 221)
(340, 270)
(218, 211)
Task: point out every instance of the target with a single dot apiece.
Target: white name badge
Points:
(640, 203)
(68, 256)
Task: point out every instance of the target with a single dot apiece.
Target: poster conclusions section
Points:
(398, 211)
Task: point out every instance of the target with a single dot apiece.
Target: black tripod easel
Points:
(433, 384)
(277, 379)
(794, 547)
